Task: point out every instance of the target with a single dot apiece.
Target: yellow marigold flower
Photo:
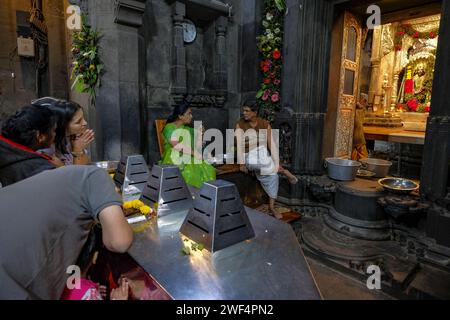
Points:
(128, 205)
(137, 204)
(92, 67)
(145, 210)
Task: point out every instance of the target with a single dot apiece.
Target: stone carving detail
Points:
(403, 208)
(129, 12)
(350, 65)
(343, 142)
(321, 188)
(345, 114)
(387, 43)
(199, 100)
(285, 144)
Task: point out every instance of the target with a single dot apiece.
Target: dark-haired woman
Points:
(29, 129)
(72, 135)
(181, 149)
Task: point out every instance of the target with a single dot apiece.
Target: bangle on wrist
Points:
(78, 153)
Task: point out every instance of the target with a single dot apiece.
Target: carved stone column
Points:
(375, 74)
(397, 70)
(118, 111)
(394, 90)
(435, 184)
(307, 32)
(220, 71)
(178, 68)
(435, 171)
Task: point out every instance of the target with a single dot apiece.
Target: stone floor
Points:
(338, 262)
(334, 285)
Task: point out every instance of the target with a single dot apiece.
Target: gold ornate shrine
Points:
(402, 61)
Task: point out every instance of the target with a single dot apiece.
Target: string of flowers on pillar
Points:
(87, 66)
(270, 45)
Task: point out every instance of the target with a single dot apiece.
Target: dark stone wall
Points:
(157, 32)
(243, 71)
(307, 36)
(117, 116)
(18, 91)
(435, 181)
(240, 60)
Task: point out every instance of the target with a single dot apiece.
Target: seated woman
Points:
(257, 158)
(72, 135)
(29, 129)
(181, 149)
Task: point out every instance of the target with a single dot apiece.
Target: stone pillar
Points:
(243, 66)
(394, 95)
(220, 58)
(118, 110)
(307, 35)
(435, 176)
(56, 24)
(375, 74)
(178, 68)
(436, 156)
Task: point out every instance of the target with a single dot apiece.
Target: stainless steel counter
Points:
(270, 266)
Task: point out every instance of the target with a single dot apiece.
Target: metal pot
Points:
(379, 166)
(340, 169)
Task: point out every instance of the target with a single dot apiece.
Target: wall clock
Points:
(189, 31)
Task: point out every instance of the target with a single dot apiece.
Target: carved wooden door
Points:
(348, 85)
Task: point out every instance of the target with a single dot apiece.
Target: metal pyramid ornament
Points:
(167, 189)
(131, 175)
(218, 218)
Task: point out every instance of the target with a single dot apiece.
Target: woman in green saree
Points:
(181, 149)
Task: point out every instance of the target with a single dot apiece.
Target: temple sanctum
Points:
(254, 149)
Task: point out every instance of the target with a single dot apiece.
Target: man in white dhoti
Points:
(255, 139)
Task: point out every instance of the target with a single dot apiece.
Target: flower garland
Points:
(269, 45)
(418, 101)
(87, 66)
(407, 29)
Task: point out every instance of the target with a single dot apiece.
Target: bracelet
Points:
(78, 154)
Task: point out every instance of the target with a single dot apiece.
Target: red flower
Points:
(267, 81)
(266, 62)
(272, 75)
(276, 82)
(266, 95)
(276, 54)
(432, 35)
(412, 104)
(416, 35)
(427, 109)
(401, 33)
(275, 97)
(265, 65)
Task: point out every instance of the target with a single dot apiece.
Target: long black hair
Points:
(23, 126)
(179, 110)
(64, 111)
